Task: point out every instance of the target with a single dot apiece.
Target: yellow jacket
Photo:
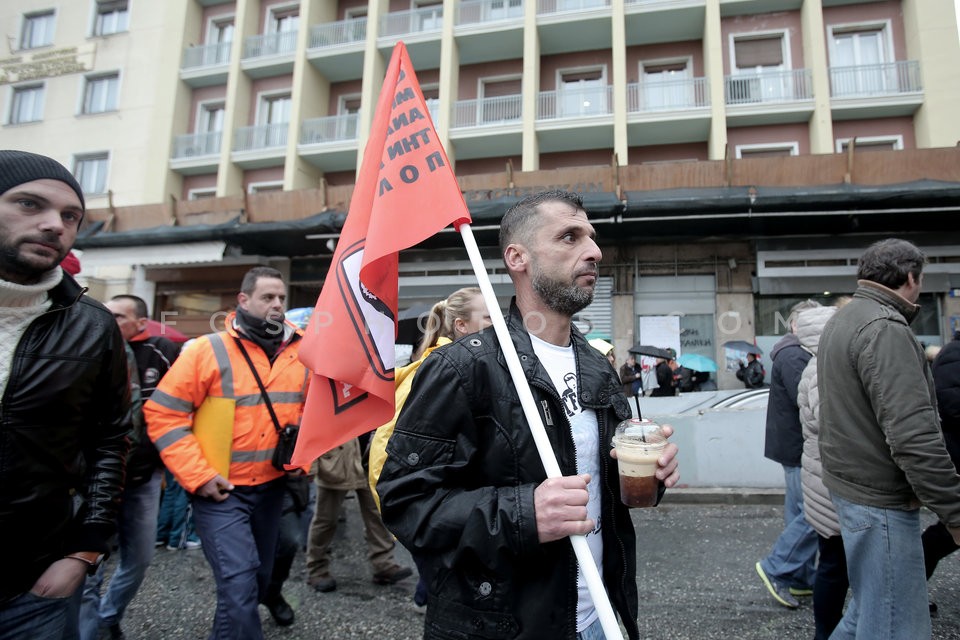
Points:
(378, 445)
(214, 366)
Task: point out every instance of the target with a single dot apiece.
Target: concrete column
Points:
(815, 59)
(310, 93)
(931, 31)
(239, 86)
(530, 87)
(713, 46)
(449, 79)
(374, 67)
(621, 144)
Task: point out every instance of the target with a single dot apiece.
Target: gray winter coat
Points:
(817, 507)
(880, 439)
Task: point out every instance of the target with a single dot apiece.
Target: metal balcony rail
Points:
(269, 44)
(668, 95)
(866, 80)
(193, 145)
(332, 34)
(487, 111)
(330, 129)
(545, 7)
(206, 55)
(415, 21)
(768, 86)
(480, 11)
(575, 102)
(265, 136)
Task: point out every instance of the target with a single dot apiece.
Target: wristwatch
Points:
(93, 559)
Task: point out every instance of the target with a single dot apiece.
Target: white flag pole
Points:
(590, 572)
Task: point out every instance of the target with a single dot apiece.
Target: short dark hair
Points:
(518, 221)
(888, 262)
(139, 305)
(250, 279)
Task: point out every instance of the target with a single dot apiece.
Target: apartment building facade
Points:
(736, 155)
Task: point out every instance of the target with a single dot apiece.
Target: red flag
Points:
(405, 193)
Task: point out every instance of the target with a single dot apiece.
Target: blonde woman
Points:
(462, 313)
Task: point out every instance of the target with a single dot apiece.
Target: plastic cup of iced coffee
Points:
(639, 444)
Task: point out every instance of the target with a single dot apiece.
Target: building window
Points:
(758, 53)
(27, 104)
(264, 187)
(91, 172)
(858, 59)
(666, 85)
(100, 93)
(275, 109)
(770, 150)
(582, 93)
(284, 21)
(37, 30)
(500, 100)
(113, 16)
(201, 194)
(759, 63)
(871, 143)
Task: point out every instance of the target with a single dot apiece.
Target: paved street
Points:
(696, 580)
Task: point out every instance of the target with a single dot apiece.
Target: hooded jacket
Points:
(784, 438)
(817, 506)
(880, 439)
(64, 419)
(457, 489)
(946, 377)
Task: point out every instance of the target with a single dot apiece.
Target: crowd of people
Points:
(100, 419)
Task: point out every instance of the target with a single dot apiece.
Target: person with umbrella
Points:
(666, 379)
(752, 374)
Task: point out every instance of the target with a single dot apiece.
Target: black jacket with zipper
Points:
(64, 420)
(458, 484)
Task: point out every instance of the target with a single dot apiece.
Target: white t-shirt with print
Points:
(561, 364)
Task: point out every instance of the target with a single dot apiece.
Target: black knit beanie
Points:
(17, 167)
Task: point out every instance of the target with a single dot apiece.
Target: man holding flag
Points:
(463, 486)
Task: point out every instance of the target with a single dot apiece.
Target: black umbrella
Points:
(411, 323)
(744, 346)
(653, 352)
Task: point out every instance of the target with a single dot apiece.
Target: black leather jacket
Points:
(64, 420)
(457, 489)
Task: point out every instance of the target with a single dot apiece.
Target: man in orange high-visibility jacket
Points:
(237, 512)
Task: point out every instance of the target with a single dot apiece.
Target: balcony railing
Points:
(487, 112)
(206, 55)
(264, 136)
(559, 6)
(416, 21)
(769, 86)
(269, 44)
(332, 34)
(330, 129)
(670, 95)
(866, 80)
(574, 103)
(480, 11)
(193, 145)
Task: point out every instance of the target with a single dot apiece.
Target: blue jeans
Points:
(887, 578)
(136, 529)
(793, 559)
(593, 632)
(174, 526)
(30, 617)
(239, 537)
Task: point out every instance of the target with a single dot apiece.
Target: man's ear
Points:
(141, 324)
(242, 299)
(515, 257)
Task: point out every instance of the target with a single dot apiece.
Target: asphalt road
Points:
(696, 580)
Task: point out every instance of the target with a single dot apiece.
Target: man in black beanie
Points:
(66, 405)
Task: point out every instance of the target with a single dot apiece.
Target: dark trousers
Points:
(296, 502)
(937, 545)
(830, 587)
(239, 538)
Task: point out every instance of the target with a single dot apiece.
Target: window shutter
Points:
(759, 52)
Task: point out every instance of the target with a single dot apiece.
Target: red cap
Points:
(71, 264)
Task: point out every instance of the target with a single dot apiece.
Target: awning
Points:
(151, 255)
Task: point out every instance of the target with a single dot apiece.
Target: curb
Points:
(723, 495)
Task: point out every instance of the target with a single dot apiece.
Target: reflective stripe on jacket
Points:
(214, 366)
